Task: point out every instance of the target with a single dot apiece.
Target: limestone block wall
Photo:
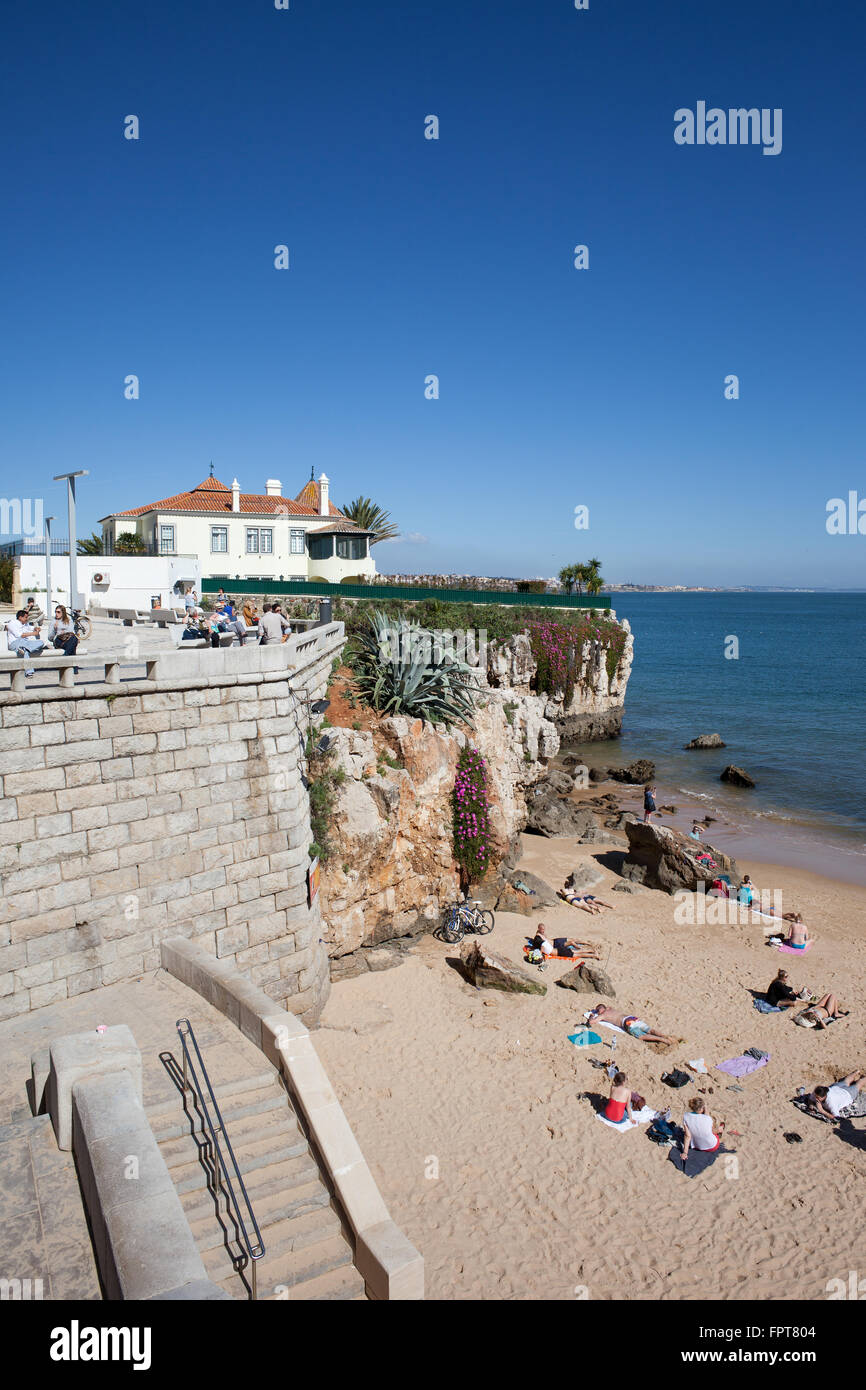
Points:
(167, 806)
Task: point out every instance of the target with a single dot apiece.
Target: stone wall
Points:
(171, 806)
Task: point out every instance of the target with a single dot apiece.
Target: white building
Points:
(243, 535)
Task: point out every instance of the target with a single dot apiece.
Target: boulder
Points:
(512, 900)
(596, 835)
(552, 815)
(488, 970)
(584, 876)
(706, 741)
(638, 772)
(542, 895)
(621, 820)
(559, 782)
(597, 774)
(588, 979)
(623, 888)
(666, 859)
(736, 776)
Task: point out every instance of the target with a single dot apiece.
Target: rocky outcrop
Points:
(706, 741)
(488, 970)
(736, 777)
(596, 708)
(637, 773)
(392, 872)
(663, 858)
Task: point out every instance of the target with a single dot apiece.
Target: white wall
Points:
(131, 579)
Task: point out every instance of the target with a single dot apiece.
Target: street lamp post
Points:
(73, 546)
(48, 521)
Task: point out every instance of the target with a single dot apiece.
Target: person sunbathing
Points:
(584, 900)
(629, 1023)
(824, 1012)
(832, 1100)
(619, 1104)
(798, 937)
(563, 945)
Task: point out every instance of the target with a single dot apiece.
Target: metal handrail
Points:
(255, 1249)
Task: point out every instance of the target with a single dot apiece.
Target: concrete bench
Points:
(129, 616)
(66, 666)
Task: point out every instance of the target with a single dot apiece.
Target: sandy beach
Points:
(471, 1106)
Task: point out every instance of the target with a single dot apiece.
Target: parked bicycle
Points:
(463, 917)
(82, 625)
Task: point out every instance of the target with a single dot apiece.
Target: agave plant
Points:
(402, 668)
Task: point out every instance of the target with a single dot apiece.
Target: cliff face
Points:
(393, 869)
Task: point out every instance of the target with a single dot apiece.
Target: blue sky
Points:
(558, 387)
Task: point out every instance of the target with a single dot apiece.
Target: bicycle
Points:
(462, 919)
(81, 624)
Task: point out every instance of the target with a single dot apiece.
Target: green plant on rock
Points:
(400, 669)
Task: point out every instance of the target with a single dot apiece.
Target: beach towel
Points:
(698, 1161)
(583, 1038)
(641, 1117)
(575, 960)
(742, 1066)
(793, 951)
(764, 1008)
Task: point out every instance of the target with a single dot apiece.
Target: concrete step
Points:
(283, 1266)
(283, 1239)
(250, 1081)
(280, 1203)
(343, 1284)
(269, 1124)
(288, 1149)
(173, 1124)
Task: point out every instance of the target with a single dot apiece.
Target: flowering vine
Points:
(471, 818)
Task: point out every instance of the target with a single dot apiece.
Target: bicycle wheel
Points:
(484, 922)
(83, 628)
(452, 928)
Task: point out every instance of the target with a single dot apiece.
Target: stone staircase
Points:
(307, 1255)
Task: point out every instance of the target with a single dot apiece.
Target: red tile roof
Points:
(212, 496)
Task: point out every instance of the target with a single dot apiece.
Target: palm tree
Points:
(92, 545)
(371, 518)
(567, 577)
(594, 581)
(129, 543)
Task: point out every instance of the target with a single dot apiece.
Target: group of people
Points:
(24, 632)
(271, 626)
(700, 1131)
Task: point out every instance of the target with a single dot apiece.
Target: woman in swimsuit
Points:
(584, 900)
(619, 1104)
(798, 937)
(824, 1011)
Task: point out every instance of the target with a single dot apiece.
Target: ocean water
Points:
(791, 707)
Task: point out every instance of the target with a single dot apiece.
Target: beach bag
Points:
(676, 1078)
(806, 1019)
(660, 1132)
(535, 957)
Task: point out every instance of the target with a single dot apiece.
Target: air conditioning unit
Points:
(102, 577)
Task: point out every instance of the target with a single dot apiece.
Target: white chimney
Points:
(236, 496)
(324, 485)
(273, 487)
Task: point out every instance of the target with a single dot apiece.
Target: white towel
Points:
(600, 1023)
(639, 1117)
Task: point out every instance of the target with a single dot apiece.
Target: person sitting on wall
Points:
(22, 637)
(273, 626)
(194, 632)
(61, 633)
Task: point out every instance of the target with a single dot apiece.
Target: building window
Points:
(219, 540)
(321, 547)
(260, 540)
(352, 547)
(296, 543)
(166, 540)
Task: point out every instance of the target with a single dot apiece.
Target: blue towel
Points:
(698, 1161)
(764, 1008)
(583, 1038)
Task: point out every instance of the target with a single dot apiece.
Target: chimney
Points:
(236, 496)
(273, 487)
(324, 485)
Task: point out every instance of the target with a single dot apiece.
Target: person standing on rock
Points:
(649, 804)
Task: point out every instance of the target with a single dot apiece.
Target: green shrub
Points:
(399, 671)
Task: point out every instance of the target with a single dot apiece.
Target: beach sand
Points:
(470, 1105)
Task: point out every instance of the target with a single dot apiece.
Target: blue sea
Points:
(791, 707)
